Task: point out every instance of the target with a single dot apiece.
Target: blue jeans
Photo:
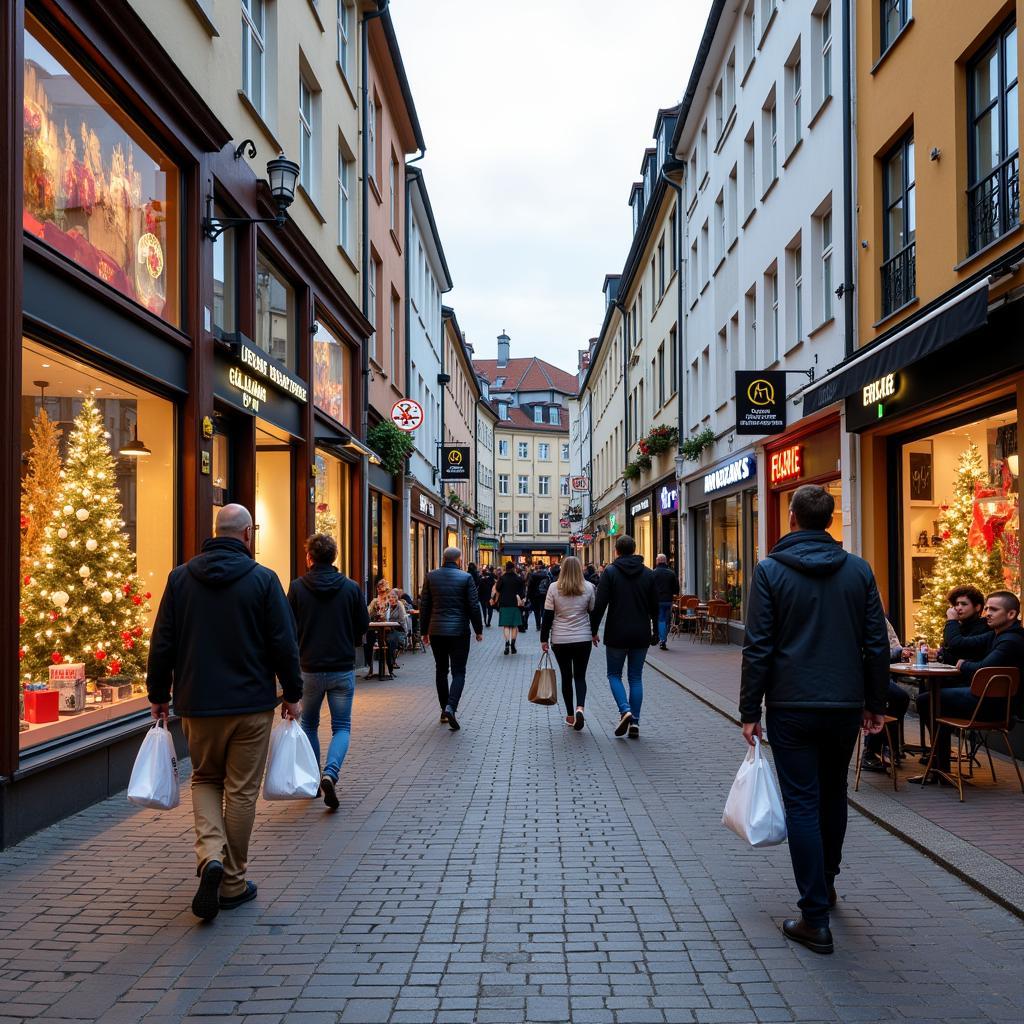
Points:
(338, 688)
(664, 619)
(616, 658)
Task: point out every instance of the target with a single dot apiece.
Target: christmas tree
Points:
(970, 554)
(39, 487)
(81, 599)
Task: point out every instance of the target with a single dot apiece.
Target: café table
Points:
(933, 675)
(382, 646)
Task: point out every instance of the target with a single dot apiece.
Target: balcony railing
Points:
(899, 279)
(993, 204)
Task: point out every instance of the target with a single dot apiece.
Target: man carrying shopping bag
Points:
(817, 655)
(223, 632)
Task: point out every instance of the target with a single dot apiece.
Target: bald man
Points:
(223, 634)
(666, 584)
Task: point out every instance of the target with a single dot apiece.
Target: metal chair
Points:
(890, 766)
(719, 614)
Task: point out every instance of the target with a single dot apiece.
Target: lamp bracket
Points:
(214, 227)
(247, 147)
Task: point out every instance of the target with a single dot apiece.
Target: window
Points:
(693, 274)
(749, 34)
(503, 483)
(749, 183)
(344, 32)
(895, 15)
(523, 450)
(275, 313)
(119, 224)
(673, 359)
(719, 228)
(796, 271)
(538, 414)
(825, 34)
(796, 84)
(722, 389)
(993, 195)
(499, 382)
(503, 410)
(750, 327)
(702, 152)
(225, 279)
(730, 85)
(544, 451)
(705, 271)
(523, 522)
(719, 108)
(767, 10)
(653, 288)
(673, 228)
(307, 137)
(393, 369)
(826, 265)
(565, 452)
(502, 522)
(332, 372)
(345, 206)
(770, 141)
(543, 486)
(371, 313)
(393, 193)
(544, 522)
(661, 374)
(503, 448)
(563, 487)
(731, 224)
(372, 110)
(553, 415)
(899, 254)
(254, 24)
(771, 288)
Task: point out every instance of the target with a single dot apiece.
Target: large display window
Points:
(275, 313)
(382, 540)
(96, 189)
(273, 534)
(97, 541)
(332, 373)
(333, 494)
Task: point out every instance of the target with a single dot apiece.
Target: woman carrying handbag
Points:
(567, 607)
(509, 593)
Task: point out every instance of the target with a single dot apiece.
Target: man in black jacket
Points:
(666, 583)
(817, 655)
(448, 606)
(484, 588)
(331, 619)
(537, 590)
(964, 619)
(222, 634)
(627, 591)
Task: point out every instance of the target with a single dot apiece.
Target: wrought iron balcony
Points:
(993, 204)
(899, 279)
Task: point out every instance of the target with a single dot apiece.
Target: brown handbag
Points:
(543, 689)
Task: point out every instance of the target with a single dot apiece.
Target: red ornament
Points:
(56, 657)
(24, 521)
(137, 631)
(129, 644)
(21, 620)
(27, 580)
(21, 653)
(136, 599)
(54, 616)
(127, 588)
(945, 534)
(125, 634)
(115, 667)
(148, 595)
(100, 655)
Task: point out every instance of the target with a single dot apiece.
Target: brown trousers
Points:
(228, 755)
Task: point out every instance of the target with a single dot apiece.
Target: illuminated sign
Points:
(760, 401)
(668, 499)
(640, 506)
(731, 473)
(787, 464)
(879, 390)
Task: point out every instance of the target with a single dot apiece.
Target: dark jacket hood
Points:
(222, 561)
(811, 552)
(324, 581)
(631, 565)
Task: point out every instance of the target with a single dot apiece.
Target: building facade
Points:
(486, 423)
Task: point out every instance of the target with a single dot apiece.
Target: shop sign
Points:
(407, 414)
(760, 402)
(455, 462)
(731, 473)
(427, 506)
(564, 522)
(254, 369)
(580, 483)
(613, 525)
(878, 391)
(786, 464)
(638, 507)
(668, 499)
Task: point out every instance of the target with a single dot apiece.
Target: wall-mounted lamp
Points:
(282, 175)
(935, 153)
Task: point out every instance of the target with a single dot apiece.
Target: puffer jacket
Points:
(449, 603)
(815, 630)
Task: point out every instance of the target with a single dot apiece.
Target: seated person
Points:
(1004, 648)
(376, 609)
(896, 703)
(394, 611)
(963, 622)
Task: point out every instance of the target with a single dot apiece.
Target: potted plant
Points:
(693, 446)
(393, 446)
(660, 440)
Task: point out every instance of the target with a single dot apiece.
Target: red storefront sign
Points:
(786, 464)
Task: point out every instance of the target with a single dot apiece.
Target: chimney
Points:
(503, 346)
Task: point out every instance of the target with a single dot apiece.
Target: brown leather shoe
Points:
(818, 940)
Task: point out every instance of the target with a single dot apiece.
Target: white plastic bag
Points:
(754, 809)
(154, 781)
(292, 771)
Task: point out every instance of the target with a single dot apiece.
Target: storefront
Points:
(424, 543)
(723, 521)
(666, 500)
(384, 527)
(609, 526)
(486, 551)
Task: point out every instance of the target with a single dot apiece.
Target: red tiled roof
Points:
(519, 420)
(527, 374)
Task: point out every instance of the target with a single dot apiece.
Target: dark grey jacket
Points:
(815, 630)
(626, 590)
(449, 603)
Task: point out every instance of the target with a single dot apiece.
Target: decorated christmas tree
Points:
(81, 599)
(970, 554)
(39, 488)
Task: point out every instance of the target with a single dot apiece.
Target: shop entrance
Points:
(272, 544)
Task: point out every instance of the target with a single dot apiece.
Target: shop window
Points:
(96, 189)
(97, 542)
(275, 313)
(225, 278)
(960, 522)
(332, 373)
(727, 550)
(333, 490)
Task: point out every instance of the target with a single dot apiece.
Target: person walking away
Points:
(448, 607)
(666, 582)
(510, 589)
(897, 701)
(590, 573)
(817, 655)
(627, 592)
(223, 632)
(567, 607)
(331, 620)
(375, 609)
(536, 591)
(484, 588)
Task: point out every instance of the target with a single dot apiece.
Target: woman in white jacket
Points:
(567, 608)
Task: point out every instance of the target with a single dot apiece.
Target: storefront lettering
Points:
(426, 507)
(668, 499)
(253, 392)
(880, 390)
(271, 372)
(787, 464)
(640, 506)
(731, 473)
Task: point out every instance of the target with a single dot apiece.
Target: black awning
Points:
(954, 319)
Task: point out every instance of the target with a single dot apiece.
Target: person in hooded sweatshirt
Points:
(331, 619)
(628, 593)
(817, 656)
(223, 634)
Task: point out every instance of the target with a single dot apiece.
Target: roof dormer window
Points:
(538, 414)
(503, 410)
(499, 382)
(553, 417)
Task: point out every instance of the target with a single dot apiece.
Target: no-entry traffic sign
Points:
(407, 414)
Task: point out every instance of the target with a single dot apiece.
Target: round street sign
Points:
(407, 414)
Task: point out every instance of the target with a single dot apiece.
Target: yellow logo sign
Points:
(761, 392)
(455, 457)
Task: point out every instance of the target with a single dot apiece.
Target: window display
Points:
(275, 313)
(332, 504)
(332, 373)
(96, 189)
(97, 535)
(726, 550)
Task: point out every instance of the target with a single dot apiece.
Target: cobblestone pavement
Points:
(515, 871)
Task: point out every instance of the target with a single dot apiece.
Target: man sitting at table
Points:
(963, 621)
(1002, 647)
(897, 700)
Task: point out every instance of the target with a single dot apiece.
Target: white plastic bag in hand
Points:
(154, 781)
(292, 771)
(754, 809)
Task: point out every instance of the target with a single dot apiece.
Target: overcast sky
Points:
(536, 115)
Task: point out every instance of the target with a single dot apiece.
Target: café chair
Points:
(890, 764)
(988, 684)
(717, 621)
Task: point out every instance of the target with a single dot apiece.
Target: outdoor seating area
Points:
(704, 621)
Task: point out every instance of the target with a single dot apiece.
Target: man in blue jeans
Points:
(627, 592)
(666, 583)
(332, 618)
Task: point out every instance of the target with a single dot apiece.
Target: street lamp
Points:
(282, 176)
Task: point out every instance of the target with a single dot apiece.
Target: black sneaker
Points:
(624, 723)
(579, 723)
(453, 722)
(871, 763)
(230, 902)
(327, 785)
(664, 647)
(634, 731)
(205, 903)
(444, 718)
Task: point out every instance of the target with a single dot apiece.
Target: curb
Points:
(990, 876)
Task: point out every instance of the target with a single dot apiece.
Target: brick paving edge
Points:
(990, 876)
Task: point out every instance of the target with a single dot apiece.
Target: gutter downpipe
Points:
(625, 399)
(848, 310)
(364, 419)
